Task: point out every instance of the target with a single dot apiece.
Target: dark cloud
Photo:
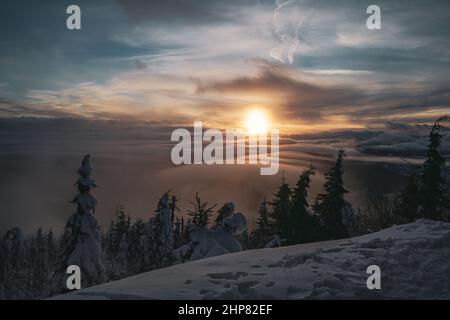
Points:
(11, 108)
(304, 100)
(300, 99)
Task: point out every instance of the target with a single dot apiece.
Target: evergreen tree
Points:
(178, 233)
(281, 210)
(201, 212)
(40, 268)
(263, 223)
(263, 231)
(433, 189)
(119, 231)
(13, 267)
(81, 240)
(117, 244)
(304, 225)
(173, 207)
(408, 201)
(138, 251)
(161, 237)
(330, 205)
(52, 250)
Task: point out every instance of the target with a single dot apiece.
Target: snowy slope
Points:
(414, 261)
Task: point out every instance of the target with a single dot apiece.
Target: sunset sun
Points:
(256, 122)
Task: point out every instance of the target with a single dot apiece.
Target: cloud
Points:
(296, 98)
(183, 11)
(309, 100)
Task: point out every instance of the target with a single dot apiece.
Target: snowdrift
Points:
(414, 260)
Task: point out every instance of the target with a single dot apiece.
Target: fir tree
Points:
(161, 226)
(52, 250)
(281, 210)
(304, 225)
(433, 189)
(178, 233)
(117, 243)
(263, 223)
(137, 247)
(14, 282)
(81, 240)
(120, 230)
(40, 269)
(200, 212)
(407, 207)
(329, 205)
(138, 251)
(173, 207)
(263, 232)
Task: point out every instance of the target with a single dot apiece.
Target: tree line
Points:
(32, 267)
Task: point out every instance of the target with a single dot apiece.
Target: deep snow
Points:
(414, 260)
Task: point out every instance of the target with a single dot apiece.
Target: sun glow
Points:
(256, 122)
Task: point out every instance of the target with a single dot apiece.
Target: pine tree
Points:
(52, 250)
(13, 266)
(173, 207)
(407, 207)
(201, 212)
(117, 244)
(161, 235)
(281, 209)
(329, 205)
(304, 225)
(178, 233)
(263, 231)
(81, 240)
(120, 229)
(40, 269)
(263, 223)
(138, 251)
(433, 189)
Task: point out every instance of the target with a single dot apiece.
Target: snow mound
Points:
(414, 260)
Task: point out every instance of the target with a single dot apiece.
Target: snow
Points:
(207, 243)
(84, 229)
(87, 250)
(414, 260)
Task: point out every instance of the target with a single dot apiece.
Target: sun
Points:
(256, 122)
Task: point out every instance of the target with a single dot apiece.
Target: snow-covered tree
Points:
(226, 211)
(82, 239)
(161, 234)
(117, 244)
(13, 275)
(40, 268)
(220, 240)
(52, 250)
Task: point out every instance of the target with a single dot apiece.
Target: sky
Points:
(179, 61)
(137, 69)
